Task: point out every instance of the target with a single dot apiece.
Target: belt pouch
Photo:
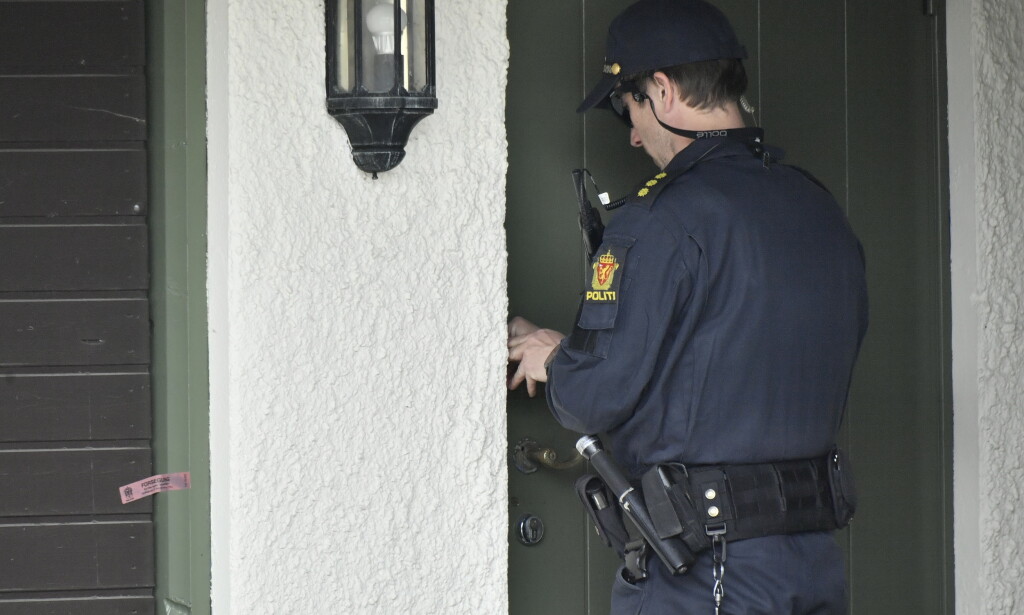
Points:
(600, 504)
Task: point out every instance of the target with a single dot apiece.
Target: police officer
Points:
(724, 312)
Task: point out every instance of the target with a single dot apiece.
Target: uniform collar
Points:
(715, 147)
(699, 151)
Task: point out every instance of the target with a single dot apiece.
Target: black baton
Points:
(673, 553)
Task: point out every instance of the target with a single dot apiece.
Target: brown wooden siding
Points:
(74, 311)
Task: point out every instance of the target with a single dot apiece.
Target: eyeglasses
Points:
(620, 108)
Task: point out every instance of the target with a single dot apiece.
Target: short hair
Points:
(704, 85)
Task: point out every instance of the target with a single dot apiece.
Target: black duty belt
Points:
(699, 504)
(749, 500)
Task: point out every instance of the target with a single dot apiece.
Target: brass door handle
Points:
(527, 456)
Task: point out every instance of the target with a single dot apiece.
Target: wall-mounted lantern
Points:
(380, 75)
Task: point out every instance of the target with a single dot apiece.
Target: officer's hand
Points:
(519, 326)
(530, 346)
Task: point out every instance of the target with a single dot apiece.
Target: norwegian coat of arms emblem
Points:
(604, 271)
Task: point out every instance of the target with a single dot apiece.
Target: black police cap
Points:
(653, 34)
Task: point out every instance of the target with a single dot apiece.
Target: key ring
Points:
(718, 555)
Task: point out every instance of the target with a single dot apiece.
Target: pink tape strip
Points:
(155, 484)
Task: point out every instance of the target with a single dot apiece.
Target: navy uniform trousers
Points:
(776, 575)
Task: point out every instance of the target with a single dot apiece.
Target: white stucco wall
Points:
(357, 329)
(986, 95)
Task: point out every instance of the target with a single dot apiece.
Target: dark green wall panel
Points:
(62, 108)
(75, 555)
(82, 35)
(60, 257)
(69, 182)
(73, 331)
(65, 405)
(92, 602)
(81, 481)
(74, 309)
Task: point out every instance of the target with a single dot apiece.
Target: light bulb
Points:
(380, 21)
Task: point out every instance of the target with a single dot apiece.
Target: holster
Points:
(672, 508)
(600, 504)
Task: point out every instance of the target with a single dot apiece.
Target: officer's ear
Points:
(664, 91)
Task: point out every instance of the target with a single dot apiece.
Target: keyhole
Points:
(531, 529)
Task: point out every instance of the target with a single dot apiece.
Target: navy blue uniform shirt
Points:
(729, 327)
(720, 325)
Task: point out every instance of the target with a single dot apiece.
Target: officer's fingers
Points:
(517, 378)
(516, 352)
(519, 326)
(531, 387)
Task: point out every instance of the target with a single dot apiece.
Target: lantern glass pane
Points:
(381, 39)
(415, 46)
(346, 65)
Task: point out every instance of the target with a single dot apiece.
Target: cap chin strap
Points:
(746, 133)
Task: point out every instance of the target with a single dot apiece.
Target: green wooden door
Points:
(853, 92)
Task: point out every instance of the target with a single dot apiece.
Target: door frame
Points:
(961, 115)
(176, 73)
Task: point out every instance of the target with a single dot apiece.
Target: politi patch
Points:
(604, 285)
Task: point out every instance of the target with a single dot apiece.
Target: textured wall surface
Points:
(366, 355)
(999, 129)
(986, 68)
